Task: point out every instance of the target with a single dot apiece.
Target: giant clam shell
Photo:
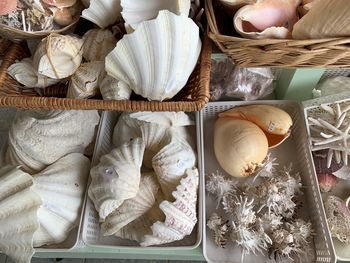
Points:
(61, 187)
(267, 19)
(116, 177)
(137, 11)
(157, 59)
(113, 89)
(132, 208)
(85, 81)
(97, 44)
(180, 215)
(102, 12)
(38, 138)
(126, 129)
(18, 214)
(58, 56)
(167, 118)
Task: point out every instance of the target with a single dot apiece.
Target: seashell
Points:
(113, 89)
(7, 6)
(154, 68)
(275, 122)
(25, 74)
(180, 215)
(167, 118)
(102, 12)
(326, 182)
(137, 11)
(97, 44)
(338, 218)
(63, 16)
(60, 3)
(233, 5)
(117, 177)
(85, 81)
(267, 19)
(58, 56)
(38, 138)
(125, 130)
(18, 214)
(133, 208)
(61, 187)
(171, 163)
(326, 19)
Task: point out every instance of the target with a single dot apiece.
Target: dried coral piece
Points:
(221, 229)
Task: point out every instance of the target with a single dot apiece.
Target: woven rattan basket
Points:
(191, 98)
(331, 52)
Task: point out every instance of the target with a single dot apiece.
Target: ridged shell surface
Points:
(84, 83)
(61, 187)
(181, 215)
(157, 59)
(133, 208)
(38, 138)
(168, 118)
(113, 89)
(126, 129)
(18, 214)
(137, 11)
(102, 12)
(97, 44)
(117, 177)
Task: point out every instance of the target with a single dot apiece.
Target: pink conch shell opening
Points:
(267, 19)
(60, 3)
(7, 6)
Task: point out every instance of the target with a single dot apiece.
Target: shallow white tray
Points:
(294, 149)
(91, 228)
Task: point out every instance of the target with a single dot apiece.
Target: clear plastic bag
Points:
(331, 86)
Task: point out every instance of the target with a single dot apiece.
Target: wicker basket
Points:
(192, 97)
(330, 52)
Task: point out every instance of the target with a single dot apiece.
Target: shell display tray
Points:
(6, 117)
(91, 228)
(294, 149)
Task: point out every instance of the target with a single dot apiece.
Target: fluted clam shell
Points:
(18, 214)
(180, 215)
(84, 83)
(58, 56)
(167, 118)
(125, 129)
(102, 12)
(113, 89)
(117, 177)
(61, 187)
(157, 59)
(171, 163)
(133, 208)
(97, 44)
(137, 11)
(38, 138)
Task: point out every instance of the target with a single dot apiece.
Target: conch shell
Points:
(7, 6)
(102, 12)
(267, 19)
(326, 19)
(25, 74)
(58, 56)
(18, 214)
(113, 89)
(60, 3)
(275, 122)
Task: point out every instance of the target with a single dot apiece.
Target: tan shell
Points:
(275, 122)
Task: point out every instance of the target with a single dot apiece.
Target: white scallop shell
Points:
(85, 81)
(117, 177)
(126, 129)
(61, 187)
(181, 215)
(25, 74)
(167, 118)
(97, 44)
(133, 208)
(58, 56)
(137, 11)
(18, 214)
(171, 163)
(157, 59)
(113, 89)
(102, 12)
(38, 138)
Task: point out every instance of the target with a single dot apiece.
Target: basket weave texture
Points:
(289, 53)
(192, 97)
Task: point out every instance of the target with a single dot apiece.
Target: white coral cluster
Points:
(262, 212)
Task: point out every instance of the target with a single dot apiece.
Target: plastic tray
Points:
(6, 117)
(294, 149)
(91, 229)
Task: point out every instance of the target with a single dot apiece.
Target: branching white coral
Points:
(267, 168)
(270, 222)
(220, 227)
(244, 214)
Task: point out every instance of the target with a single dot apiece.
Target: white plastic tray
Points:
(294, 149)
(91, 229)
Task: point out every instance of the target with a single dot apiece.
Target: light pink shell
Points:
(7, 6)
(60, 3)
